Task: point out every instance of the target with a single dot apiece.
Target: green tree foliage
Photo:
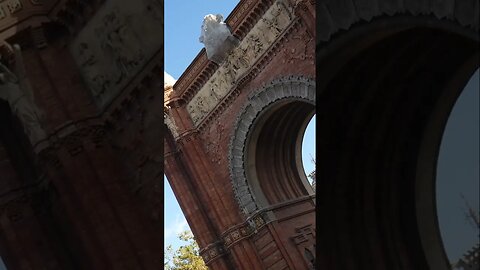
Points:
(185, 257)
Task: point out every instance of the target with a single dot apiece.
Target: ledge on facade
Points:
(240, 21)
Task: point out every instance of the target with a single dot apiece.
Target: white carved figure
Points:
(16, 90)
(119, 43)
(216, 37)
(168, 80)
(98, 82)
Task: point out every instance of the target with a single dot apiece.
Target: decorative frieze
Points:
(212, 252)
(240, 60)
(14, 6)
(244, 230)
(116, 45)
(292, 33)
(73, 140)
(241, 21)
(10, 8)
(234, 235)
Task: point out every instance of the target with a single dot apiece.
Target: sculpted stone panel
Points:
(239, 61)
(21, 14)
(9, 7)
(115, 45)
(14, 6)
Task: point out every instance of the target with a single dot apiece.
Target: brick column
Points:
(26, 233)
(192, 182)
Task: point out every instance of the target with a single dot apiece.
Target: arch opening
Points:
(458, 173)
(274, 152)
(308, 152)
(383, 109)
(265, 149)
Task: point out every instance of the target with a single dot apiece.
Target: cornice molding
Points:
(241, 20)
(252, 225)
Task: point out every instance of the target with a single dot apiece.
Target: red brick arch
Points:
(391, 72)
(255, 193)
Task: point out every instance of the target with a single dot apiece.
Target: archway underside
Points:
(265, 151)
(277, 152)
(374, 110)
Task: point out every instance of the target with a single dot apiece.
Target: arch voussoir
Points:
(285, 88)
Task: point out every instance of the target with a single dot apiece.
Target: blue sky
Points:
(458, 172)
(183, 20)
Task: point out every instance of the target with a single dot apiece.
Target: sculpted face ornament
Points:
(16, 90)
(216, 37)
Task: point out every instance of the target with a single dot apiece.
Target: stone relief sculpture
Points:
(98, 82)
(240, 59)
(118, 42)
(14, 6)
(236, 62)
(288, 6)
(215, 85)
(273, 23)
(254, 46)
(216, 37)
(16, 90)
(229, 73)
